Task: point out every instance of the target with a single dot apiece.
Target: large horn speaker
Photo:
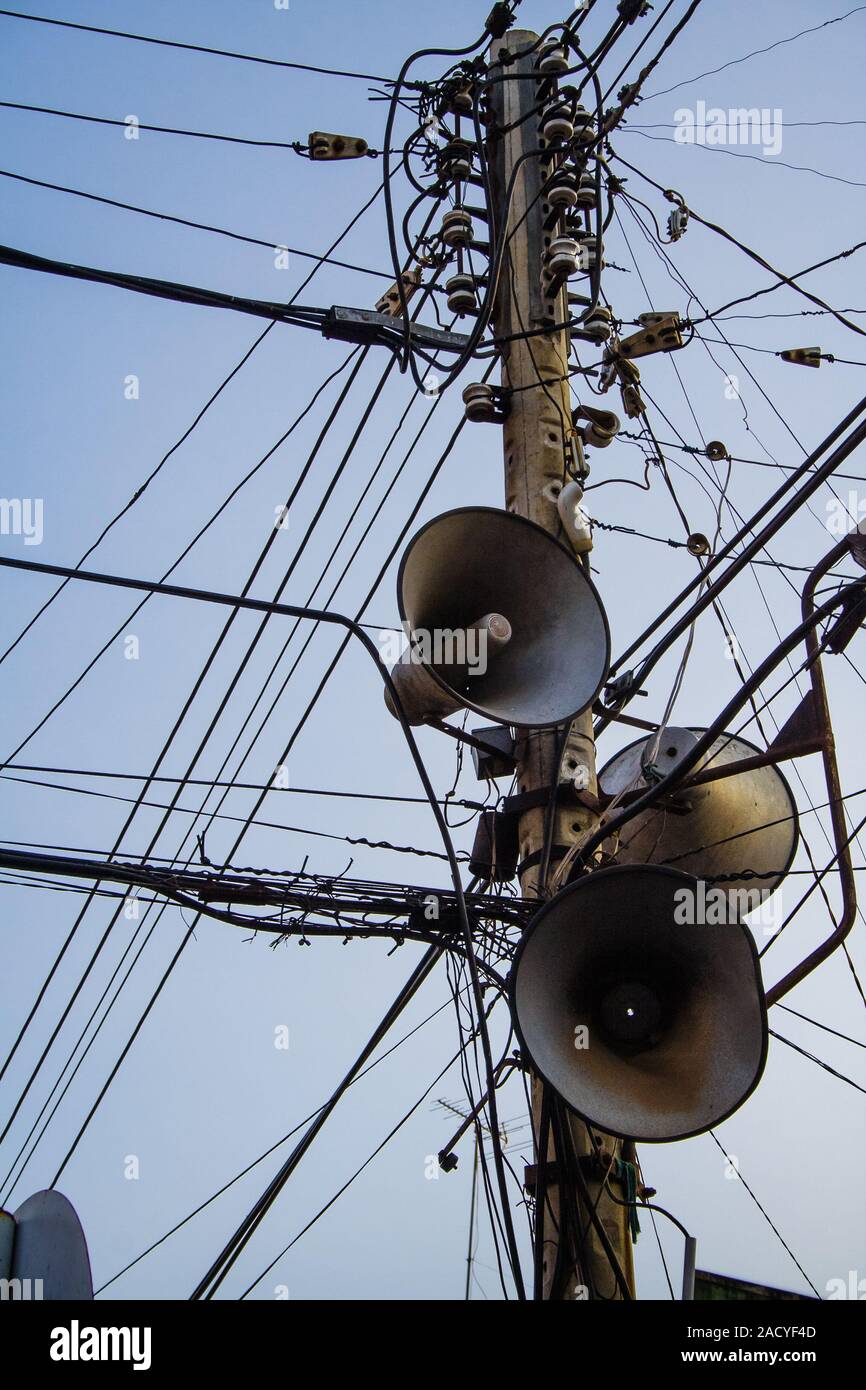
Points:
(747, 821)
(502, 620)
(648, 1020)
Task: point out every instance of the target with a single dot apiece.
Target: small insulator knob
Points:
(601, 428)
(553, 61)
(584, 127)
(562, 259)
(678, 222)
(632, 401)
(586, 191)
(457, 229)
(598, 326)
(481, 406)
(562, 191)
(462, 297)
(455, 160)
(717, 451)
(557, 126)
(588, 252)
(698, 544)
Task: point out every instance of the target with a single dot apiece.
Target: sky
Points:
(99, 384)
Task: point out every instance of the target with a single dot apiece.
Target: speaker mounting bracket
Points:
(489, 750)
(591, 1165)
(622, 688)
(801, 735)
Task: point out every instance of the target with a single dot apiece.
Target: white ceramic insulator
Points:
(574, 518)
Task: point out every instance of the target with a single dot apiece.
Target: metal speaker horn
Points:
(647, 1019)
(743, 822)
(48, 1245)
(501, 618)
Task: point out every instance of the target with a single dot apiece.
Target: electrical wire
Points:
(196, 48)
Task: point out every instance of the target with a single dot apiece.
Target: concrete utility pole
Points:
(538, 428)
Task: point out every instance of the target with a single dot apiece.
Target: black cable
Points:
(30, 624)
(242, 820)
(261, 798)
(817, 1060)
(198, 418)
(806, 470)
(270, 541)
(743, 154)
(755, 53)
(187, 222)
(196, 48)
(357, 1173)
(692, 757)
(299, 317)
(386, 163)
(676, 274)
(188, 703)
(632, 92)
(224, 1262)
(313, 272)
(267, 1153)
(789, 280)
(824, 1026)
(230, 785)
(196, 688)
(646, 38)
(158, 129)
(353, 629)
(773, 1228)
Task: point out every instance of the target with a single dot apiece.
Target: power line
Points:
(27, 628)
(353, 222)
(159, 129)
(817, 1060)
(789, 280)
(345, 324)
(346, 456)
(769, 1222)
(256, 1161)
(743, 154)
(298, 147)
(141, 801)
(166, 289)
(76, 573)
(198, 48)
(756, 52)
(182, 222)
(262, 606)
(230, 785)
(356, 1174)
(823, 1026)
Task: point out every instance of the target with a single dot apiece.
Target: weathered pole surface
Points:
(537, 433)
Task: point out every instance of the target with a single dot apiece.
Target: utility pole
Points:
(537, 431)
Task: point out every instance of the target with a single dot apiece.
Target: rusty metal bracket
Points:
(660, 333)
(820, 710)
(488, 749)
(801, 735)
(390, 302)
(325, 146)
(592, 1166)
